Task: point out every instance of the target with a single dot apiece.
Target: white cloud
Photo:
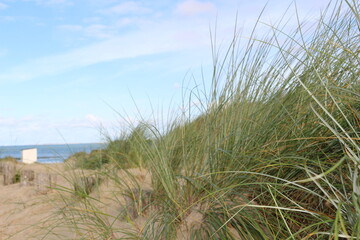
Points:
(55, 1)
(131, 21)
(128, 8)
(3, 6)
(93, 119)
(51, 2)
(41, 129)
(31, 123)
(193, 7)
(93, 30)
(150, 36)
(99, 31)
(7, 18)
(6, 122)
(69, 27)
(150, 39)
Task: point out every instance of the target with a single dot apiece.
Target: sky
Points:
(72, 70)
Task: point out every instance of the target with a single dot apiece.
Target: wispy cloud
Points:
(150, 36)
(94, 120)
(93, 30)
(193, 7)
(129, 7)
(46, 130)
(71, 27)
(34, 123)
(51, 2)
(131, 21)
(7, 18)
(3, 6)
(150, 39)
(100, 31)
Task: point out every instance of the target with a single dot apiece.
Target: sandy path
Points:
(24, 212)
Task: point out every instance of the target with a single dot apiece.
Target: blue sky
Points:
(65, 65)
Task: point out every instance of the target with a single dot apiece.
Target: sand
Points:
(24, 211)
(27, 213)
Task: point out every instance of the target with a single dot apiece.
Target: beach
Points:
(24, 211)
(261, 141)
(34, 212)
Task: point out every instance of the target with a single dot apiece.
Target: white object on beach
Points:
(29, 155)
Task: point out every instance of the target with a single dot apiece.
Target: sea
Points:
(55, 153)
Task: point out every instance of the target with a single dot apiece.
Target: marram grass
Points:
(273, 154)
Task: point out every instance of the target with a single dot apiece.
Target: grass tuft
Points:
(273, 151)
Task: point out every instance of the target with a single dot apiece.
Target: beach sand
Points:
(26, 213)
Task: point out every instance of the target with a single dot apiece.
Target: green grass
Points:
(122, 152)
(275, 150)
(93, 160)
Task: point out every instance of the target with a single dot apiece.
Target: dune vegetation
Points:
(271, 152)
